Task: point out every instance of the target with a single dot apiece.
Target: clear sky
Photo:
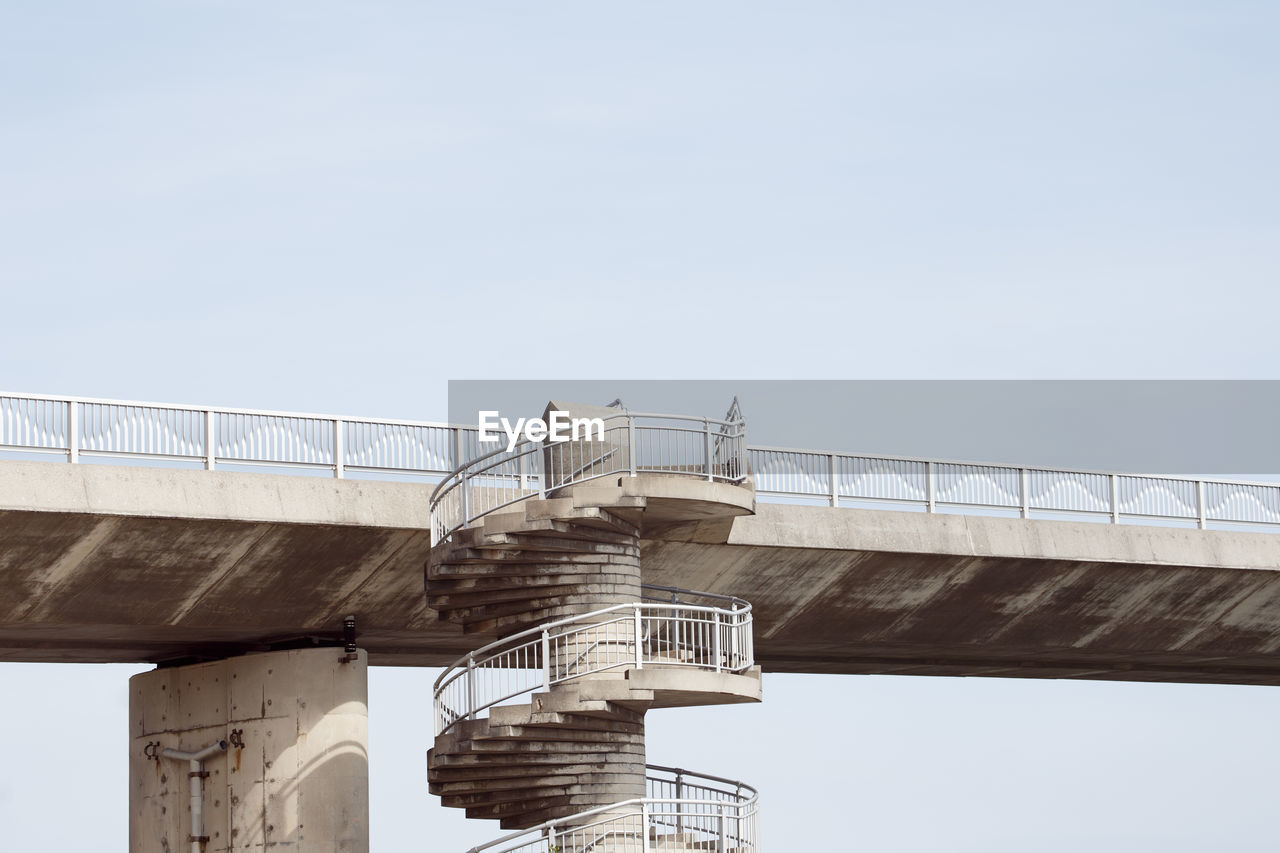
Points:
(338, 207)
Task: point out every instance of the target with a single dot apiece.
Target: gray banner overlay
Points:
(1191, 427)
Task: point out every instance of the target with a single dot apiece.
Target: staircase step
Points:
(539, 746)
(606, 496)
(559, 544)
(570, 698)
(446, 772)
(524, 780)
(578, 714)
(446, 762)
(520, 815)
(570, 604)
(546, 734)
(564, 509)
(471, 561)
(586, 585)
(602, 793)
(543, 527)
(504, 582)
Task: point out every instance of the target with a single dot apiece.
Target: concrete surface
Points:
(844, 590)
(301, 780)
(104, 563)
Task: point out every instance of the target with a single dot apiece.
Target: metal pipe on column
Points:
(196, 776)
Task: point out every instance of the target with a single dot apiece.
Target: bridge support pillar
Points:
(295, 770)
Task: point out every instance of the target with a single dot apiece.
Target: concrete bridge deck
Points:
(109, 563)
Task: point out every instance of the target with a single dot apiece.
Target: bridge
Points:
(209, 540)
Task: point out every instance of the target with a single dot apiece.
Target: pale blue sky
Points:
(338, 207)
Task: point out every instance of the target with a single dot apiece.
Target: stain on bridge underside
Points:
(112, 588)
(259, 562)
(942, 609)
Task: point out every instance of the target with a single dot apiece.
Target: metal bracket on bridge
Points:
(349, 639)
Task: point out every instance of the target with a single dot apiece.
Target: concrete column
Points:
(299, 782)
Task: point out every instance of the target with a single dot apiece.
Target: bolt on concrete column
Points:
(301, 778)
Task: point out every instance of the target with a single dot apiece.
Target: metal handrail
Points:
(680, 771)
(79, 428)
(506, 476)
(624, 635)
(842, 479)
(723, 816)
(675, 593)
(87, 427)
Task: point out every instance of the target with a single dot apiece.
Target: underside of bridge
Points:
(104, 563)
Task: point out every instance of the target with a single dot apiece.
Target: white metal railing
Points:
(715, 637)
(842, 478)
(632, 443)
(77, 428)
(683, 811)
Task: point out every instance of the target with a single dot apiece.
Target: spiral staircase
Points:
(543, 729)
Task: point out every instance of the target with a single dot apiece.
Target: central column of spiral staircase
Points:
(543, 729)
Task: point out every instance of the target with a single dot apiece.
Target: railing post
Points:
(639, 651)
(1200, 511)
(210, 440)
(546, 659)
(73, 432)
(524, 472)
(835, 482)
(542, 468)
(464, 486)
(551, 838)
(706, 422)
(644, 827)
(680, 804)
(735, 640)
(471, 687)
(741, 459)
(724, 841)
(1024, 478)
(458, 449)
(1115, 499)
(631, 442)
(930, 496)
(337, 448)
(715, 642)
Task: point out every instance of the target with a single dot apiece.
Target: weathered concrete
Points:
(101, 563)
(106, 563)
(840, 590)
(579, 744)
(301, 779)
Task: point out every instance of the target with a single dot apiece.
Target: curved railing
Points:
(631, 444)
(682, 811)
(679, 633)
